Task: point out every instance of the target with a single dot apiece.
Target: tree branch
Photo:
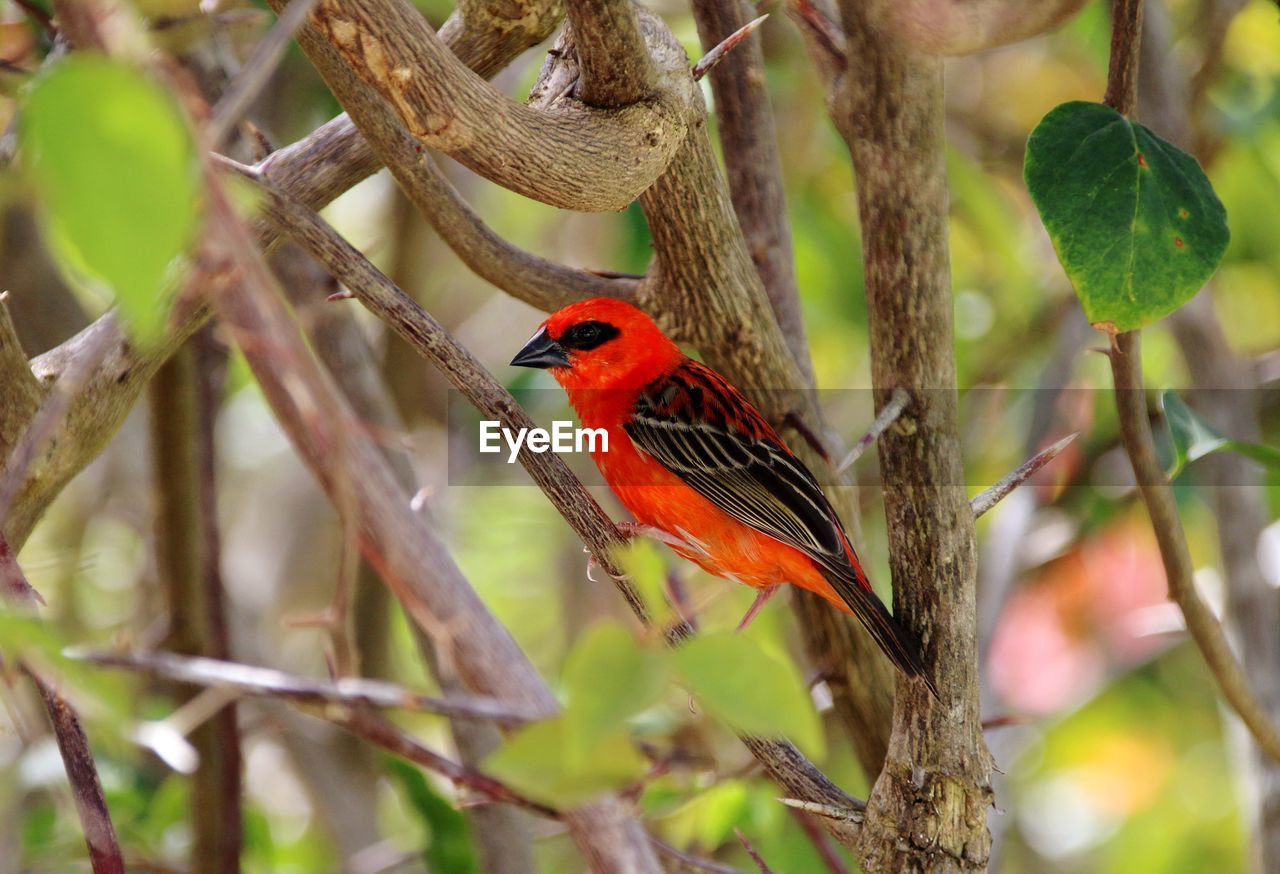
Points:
(928, 809)
(487, 34)
(86, 789)
(754, 166)
(616, 68)
(573, 156)
(1157, 494)
(500, 831)
(1135, 431)
(270, 683)
(704, 290)
(91, 804)
(988, 498)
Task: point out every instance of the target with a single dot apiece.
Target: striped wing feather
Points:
(705, 432)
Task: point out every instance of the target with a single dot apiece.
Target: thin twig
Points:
(751, 851)
(14, 586)
(255, 73)
(1139, 444)
(268, 682)
(691, 860)
(1157, 494)
(892, 410)
(379, 731)
(1126, 37)
(989, 497)
(818, 838)
(717, 54)
(91, 804)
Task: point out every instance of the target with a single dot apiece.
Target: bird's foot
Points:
(631, 530)
(762, 598)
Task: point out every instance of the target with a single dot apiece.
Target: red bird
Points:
(689, 456)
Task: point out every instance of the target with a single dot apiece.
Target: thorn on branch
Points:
(830, 811)
(892, 410)
(988, 498)
(716, 55)
(340, 295)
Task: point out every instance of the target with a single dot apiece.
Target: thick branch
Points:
(574, 156)
(750, 145)
(615, 63)
(928, 808)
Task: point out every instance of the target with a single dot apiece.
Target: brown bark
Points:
(183, 405)
(928, 808)
(575, 157)
(749, 142)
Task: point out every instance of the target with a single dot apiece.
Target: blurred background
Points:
(1114, 752)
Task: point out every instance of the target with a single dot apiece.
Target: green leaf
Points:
(115, 172)
(537, 763)
(1193, 438)
(450, 846)
(644, 567)
(609, 679)
(750, 689)
(1134, 220)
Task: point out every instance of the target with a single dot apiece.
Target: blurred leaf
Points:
(115, 170)
(1134, 220)
(537, 763)
(1193, 438)
(450, 848)
(609, 678)
(644, 567)
(750, 689)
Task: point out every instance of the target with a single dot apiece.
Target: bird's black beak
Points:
(541, 352)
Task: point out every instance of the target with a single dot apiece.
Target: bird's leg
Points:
(637, 529)
(762, 597)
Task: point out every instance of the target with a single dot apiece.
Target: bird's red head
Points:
(600, 344)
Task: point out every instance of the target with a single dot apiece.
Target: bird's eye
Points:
(588, 335)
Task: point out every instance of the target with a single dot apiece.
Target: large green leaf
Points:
(115, 172)
(1193, 438)
(1134, 220)
(750, 689)
(537, 763)
(609, 678)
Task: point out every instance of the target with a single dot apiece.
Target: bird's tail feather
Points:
(894, 640)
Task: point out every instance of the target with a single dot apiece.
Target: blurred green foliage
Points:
(1116, 755)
